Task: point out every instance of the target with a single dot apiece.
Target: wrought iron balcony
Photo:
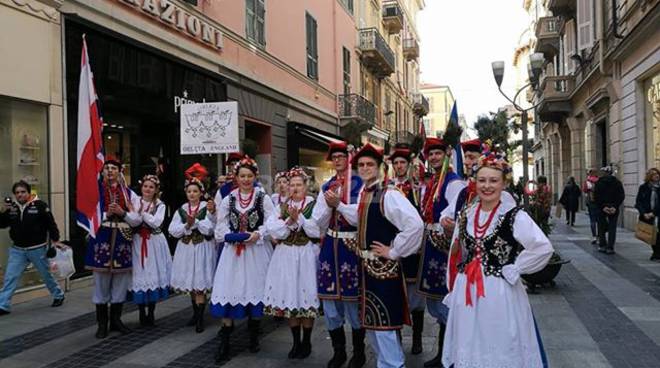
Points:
(376, 54)
(410, 49)
(355, 108)
(555, 97)
(420, 104)
(547, 36)
(392, 17)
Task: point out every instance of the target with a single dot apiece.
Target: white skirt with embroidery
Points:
(240, 279)
(291, 279)
(157, 269)
(497, 331)
(193, 266)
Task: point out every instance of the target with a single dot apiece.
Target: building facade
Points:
(597, 99)
(303, 75)
(441, 101)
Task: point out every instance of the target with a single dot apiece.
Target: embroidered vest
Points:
(195, 236)
(497, 250)
(298, 237)
(249, 221)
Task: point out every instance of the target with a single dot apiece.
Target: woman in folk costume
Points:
(152, 260)
(195, 255)
(238, 287)
(291, 280)
(281, 188)
(490, 320)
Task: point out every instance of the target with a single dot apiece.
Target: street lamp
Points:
(534, 68)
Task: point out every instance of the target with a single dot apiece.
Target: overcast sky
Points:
(460, 38)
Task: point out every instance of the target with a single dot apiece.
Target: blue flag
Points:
(457, 157)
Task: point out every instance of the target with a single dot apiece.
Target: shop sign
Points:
(179, 100)
(209, 128)
(181, 20)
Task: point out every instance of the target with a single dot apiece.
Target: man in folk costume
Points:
(109, 254)
(431, 282)
(338, 275)
(400, 160)
(389, 228)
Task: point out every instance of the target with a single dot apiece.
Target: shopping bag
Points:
(646, 232)
(558, 209)
(62, 264)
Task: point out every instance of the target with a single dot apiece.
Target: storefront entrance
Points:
(140, 91)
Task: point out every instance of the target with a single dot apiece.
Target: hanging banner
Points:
(209, 128)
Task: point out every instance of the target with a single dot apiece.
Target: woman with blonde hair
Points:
(647, 203)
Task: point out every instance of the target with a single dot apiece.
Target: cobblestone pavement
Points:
(604, 311)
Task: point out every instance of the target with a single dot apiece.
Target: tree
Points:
(496, 128)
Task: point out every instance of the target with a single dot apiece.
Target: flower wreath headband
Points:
(248, 163)
(152, 178)
(194, 181)
(282, 174)
(297, 171)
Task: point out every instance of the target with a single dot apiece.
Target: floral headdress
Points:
(494, 160)
(297, 171)
(194, 181)
(247, 162)
(152, 178)
(281, 174)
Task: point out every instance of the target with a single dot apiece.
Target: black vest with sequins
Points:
(249, 221)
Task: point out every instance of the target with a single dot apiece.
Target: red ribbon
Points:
(240, 247)
(474, 276)
(145, 233)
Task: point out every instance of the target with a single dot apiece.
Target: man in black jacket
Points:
(30, 224)
(608, 195)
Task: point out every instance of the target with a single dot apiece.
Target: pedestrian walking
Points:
(647, 203)
(389, 228)
(570, 199)
(153, 268)
(31, 226)
(490, 321)
(110, 253)
(608, 195)
(194, 260)
(240, 277)
(291, 288)
(338, 276)
(592, 209)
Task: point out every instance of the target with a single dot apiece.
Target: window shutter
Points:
(585, 24)
(249, 19)
(312, 47)
(569, 44)
(261, 22)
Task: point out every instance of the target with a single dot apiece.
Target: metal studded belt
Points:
(342, 234)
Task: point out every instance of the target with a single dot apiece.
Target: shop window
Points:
(24, 152)
(652, 118)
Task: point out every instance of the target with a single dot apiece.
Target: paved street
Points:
(603, 312)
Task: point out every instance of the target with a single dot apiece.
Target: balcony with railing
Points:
(376, 55)
(410, 49)
(355, 108)
(547, 36)
(392, 17)
(420, 104)
(555, 97)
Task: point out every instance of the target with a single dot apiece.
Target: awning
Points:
(319, 137)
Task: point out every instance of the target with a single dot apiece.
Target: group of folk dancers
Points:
(369, 250)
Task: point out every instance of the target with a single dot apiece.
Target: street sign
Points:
(209, 128)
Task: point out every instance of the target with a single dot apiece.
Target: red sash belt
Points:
(145, 234)
(474, 276)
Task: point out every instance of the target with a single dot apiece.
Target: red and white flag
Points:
(90, 150)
